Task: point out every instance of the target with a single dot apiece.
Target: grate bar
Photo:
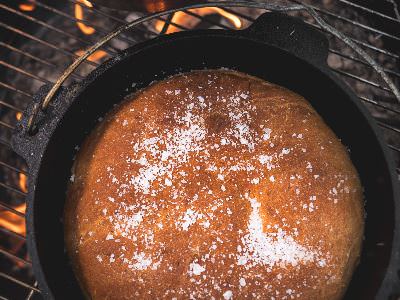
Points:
(13, 256)
(394, 148)
(395, 8)
(167, 23)
(12, 233)
(119, 20)
(21, 71)
(18, 170)
(40, 41)
(17, 281)
(98, 29)
(49, 64)
(205, 18)
(373, 102)
(12, 210)
(94, 9)
(243, 16)
(173, 24)
(355, 59)
(355, 23)
(167, 20)
(366, 45)
(370, 10)
(31, 292)
(358, 78)
(5, 143)
(4, 124)
(51, 27)
(371, 47)
(12, 48)
(14, 89)
(389, 127)
(10, 106)
(6, 186)
(179, 26)
(335, 51)
(321, 22)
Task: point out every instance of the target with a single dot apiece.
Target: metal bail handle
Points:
(291, 34)
(38, 107)
(31, 129)
(36, 112)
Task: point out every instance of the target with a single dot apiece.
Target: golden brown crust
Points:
(214, 184)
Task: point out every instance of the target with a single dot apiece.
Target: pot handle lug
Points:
(292, 35)
(30, 145)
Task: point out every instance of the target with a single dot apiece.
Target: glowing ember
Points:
(155, 6)
(79, 15)
(27, 6)
(23, 183)
(186, 20)
(14, 222)
(95, 57)
(18, 116)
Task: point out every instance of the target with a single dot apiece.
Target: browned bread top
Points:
(213, 184)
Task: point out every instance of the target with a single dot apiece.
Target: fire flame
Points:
(10, 220)
(79, 15)
(23, 182)
(95, 57)
(14, 222)
(181, 18)
(27, 6)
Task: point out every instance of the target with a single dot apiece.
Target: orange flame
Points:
(95, 57)
(181, 18)
(23, 182)
(28, 6)
(10, 220)
(13, 222)
(18, 115)
(79, 15)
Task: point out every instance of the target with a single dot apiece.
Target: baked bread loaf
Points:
(213, 184)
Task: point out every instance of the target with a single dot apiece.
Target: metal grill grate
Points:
(31, 58)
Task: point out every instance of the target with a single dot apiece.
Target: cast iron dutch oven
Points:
(277, 48)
